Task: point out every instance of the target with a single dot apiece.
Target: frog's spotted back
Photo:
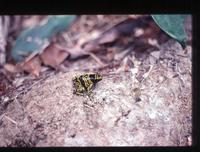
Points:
(84, 84)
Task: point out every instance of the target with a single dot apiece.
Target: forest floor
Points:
(144, 98)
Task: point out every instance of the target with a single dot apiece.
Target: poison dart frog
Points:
(84, 84)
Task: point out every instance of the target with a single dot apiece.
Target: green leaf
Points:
(173, 25)
(34, 39)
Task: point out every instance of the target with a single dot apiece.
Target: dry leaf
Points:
(91, 47)
(126, 27)
(152, 31)
(54, 55)
(76, 52)
(32, 66)
(109, 37)
(10, 68)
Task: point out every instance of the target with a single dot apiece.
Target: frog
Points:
(85, 83)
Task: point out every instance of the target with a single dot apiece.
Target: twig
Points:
(181, 55)
(147, 73)
(123, 114)
(1, 117)
(97, 59)
(180, 77)
(124, 53)
(8, 118)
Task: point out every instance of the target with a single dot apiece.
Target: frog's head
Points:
(95, 77)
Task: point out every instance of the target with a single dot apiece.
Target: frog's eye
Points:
(98, 77)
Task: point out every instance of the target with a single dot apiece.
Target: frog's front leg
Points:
(79, 91)
(89, 88)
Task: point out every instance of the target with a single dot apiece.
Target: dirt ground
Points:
(150, 104)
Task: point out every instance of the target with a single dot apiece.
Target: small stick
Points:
(8, 118)
(2, 116)
(147, 73)
(97, 59)
(180, 77)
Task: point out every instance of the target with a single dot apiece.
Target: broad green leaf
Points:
(173, 25)
(34, 39)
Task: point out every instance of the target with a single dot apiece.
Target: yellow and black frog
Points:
(84, 84)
